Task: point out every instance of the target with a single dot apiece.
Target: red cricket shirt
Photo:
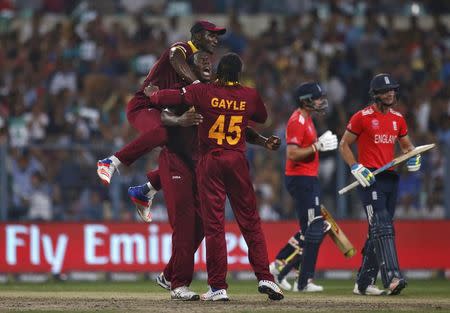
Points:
(377, 133)
(300, 131)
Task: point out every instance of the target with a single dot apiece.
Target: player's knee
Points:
(381, 225)
(314, 232)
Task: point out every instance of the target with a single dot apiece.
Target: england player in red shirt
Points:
(376, 129)
(170, 71)
(302, 168)
(222, 170)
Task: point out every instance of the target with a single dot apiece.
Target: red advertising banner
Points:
(138, 247)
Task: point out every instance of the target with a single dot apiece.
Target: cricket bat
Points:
(394, 162)
(337, 235)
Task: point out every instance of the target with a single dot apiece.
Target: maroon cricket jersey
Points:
(377, 134)
(163, 74)
(226, 112)
(183, 140)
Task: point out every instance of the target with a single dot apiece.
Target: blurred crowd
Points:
(64, 87)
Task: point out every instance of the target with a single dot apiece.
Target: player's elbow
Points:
(343, 145)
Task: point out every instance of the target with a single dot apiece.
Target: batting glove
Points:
(328, 141)
(413, 163)
(363, 175)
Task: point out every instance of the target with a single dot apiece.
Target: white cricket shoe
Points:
(283, 283)
(184, 294)
(310, 287)
(105, 170)
(271, 289)
(162, 281)
(371, 290)
(142, 201)
(273, 268)
(218, 295)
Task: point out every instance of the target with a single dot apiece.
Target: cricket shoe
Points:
(274, 269)
(163, 282)
(282, 283)
(396, 286)
(371, 290)
(218, 295)
(105, 170)
(184, 294)
(310, 287)
(142, 202)
(271, 289)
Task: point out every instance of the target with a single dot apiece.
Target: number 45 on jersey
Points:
(232, 135)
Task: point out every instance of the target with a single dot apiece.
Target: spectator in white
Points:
(40, 201)
(64, 78)
(37, 121)
(23, 165)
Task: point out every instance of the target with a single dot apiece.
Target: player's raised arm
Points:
(179, 63)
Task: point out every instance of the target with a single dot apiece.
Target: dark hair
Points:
(230, 65)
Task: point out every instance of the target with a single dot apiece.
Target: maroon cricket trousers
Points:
(221, 173)
(183, 208)
(152, 134)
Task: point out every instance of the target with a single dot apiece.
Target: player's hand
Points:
(273, 143)
(413, 164)
(150, 89)
(328, 141)
(363, 175)
(190, 118)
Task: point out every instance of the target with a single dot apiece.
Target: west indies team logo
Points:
(375, 124)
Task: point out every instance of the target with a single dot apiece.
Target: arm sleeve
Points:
(403, 128)
(260, 114)
(190, 92)
(166, 98)
(295, 133)
(355, 124)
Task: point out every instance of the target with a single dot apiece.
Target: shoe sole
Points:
(218, 300)
(194, 298)
(139, 212)
(401, 285)
(273, 295)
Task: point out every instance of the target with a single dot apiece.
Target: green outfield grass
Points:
(146, 296)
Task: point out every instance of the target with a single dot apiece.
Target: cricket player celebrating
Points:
(302, 167)
(222, 170)
(376, 129)
(170, 71)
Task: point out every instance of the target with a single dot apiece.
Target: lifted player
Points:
(226, 107)
(170, 71)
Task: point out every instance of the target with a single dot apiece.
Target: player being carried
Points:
(178, 159)
(170, 71)
(222, 170)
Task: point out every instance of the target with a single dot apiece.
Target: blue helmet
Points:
(382, 83)
(306, 93)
